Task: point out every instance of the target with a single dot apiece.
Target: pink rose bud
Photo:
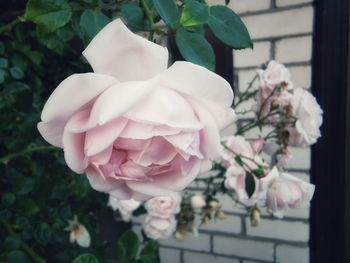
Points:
(159, 228)
(164, 206)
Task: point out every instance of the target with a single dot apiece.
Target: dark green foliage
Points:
(41, 42)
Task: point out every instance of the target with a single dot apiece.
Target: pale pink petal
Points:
(158, 152)
(73, 93)
(139, 130)
(209, 135)
(101, 183)
(118, 52)
(103, 136)
(73, 145)
(119, 99)
(79, 122)
(51, 132)
(198, 82)
(188, 143)
(172, 110)
(167, 183)
(102, 157)
(131, 144)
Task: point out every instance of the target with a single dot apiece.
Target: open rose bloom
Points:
(137, 128)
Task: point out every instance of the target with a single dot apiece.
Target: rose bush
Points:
(135, 127)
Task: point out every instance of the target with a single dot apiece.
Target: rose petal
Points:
(118, 52)
(101, 183)
(102, 136)
(73, 145)
(197, 82)
(172, 110)
(73, 93)
(51, 132)
(119, 99)
(209, 135)
(138, 130)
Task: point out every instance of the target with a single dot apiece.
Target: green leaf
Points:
(49, 14)
(150, 252)
(91, 22)
(4, 63)
(43, 233)
(12, 242)
(259, 172)
(135, 17)
(8, 199)
(128, 246)
(16, 73)
(249, 184)
(28, 207)
(3, 74)
(26, 185)
(169, 11)
(86, 258)
(229, 28)
(16, 256)
(194, 13)
(239, 160)
(50, 39)
(195, 48)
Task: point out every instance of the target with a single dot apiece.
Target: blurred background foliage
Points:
(40, 44)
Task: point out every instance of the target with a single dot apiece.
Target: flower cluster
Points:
(160, 221)
(144, 132)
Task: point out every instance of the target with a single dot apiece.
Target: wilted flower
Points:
(78, 233)
(255, 216)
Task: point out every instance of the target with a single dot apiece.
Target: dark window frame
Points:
(330, 160)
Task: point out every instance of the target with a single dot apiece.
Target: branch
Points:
(9, 26)
(9, 157)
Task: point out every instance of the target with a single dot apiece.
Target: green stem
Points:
(149, 15)
(11, 156)
(26, 248)
(243, 96)
(9, 26)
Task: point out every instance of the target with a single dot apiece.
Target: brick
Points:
(292, 254)
(294, 21)
(301, 158)
(191, 257)
(301, 76)
(200, 243)
(281, 3)
(244, 77)
(169, 255)
(280, 229)
(232, 224)
(297, 49)
(243, 6)
(252, 57)
(250, 249)
(251, 261)
(228, 205)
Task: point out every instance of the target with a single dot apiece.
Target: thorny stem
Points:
(7, 158)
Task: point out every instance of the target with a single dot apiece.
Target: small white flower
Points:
(197, 202)
(78, 233)
(125, 207)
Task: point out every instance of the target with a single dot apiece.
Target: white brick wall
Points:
(282, 30)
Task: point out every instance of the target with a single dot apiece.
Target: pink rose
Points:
(309, 119)
(164, 206)
(136, 128)
(274, 74)
(287, 191)
(238, 145)
(159, 228)
(235, 179)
